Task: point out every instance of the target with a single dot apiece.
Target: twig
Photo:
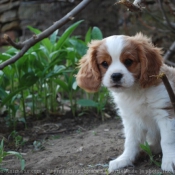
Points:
(132, 7)
(169, 52)
(171, 7)
(170, 63)
(54, 132)
(168, 88)
(24, 46)
(165, 16)
(9, 40)
(146, 25)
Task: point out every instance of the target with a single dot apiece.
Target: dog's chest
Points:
(146, 103)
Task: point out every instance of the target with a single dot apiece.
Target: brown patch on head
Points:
(129, 57)
(90, 73)
(103, 56)
(146, 59)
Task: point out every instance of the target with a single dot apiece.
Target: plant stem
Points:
(33, 101)
(45, 94)
(71, 103)
(52, 96)
(23, 105)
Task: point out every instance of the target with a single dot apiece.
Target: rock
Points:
(28, 9)
(9, 26)
(3, 1)
(8, 6)
(8, 16)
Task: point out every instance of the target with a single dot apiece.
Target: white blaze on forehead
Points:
(115, 45)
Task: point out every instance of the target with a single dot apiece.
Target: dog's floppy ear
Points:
(150, 60)
(89, 77)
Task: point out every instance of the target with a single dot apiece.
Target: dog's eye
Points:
(104, 64)
(128, 62)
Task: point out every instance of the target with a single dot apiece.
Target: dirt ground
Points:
(75, 146)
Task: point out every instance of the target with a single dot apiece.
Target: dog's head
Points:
(119, 62)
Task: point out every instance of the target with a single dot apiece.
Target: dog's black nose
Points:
(116, 77)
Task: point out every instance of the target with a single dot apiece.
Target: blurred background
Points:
(16, 15)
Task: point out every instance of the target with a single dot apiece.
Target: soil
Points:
(80, 145)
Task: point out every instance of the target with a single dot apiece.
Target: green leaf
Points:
(145, 147)
(87, 103)
(3, 93)
(60, 56)
(71, 80)
(46, 42)
(44, 51)
(56, 71)
(62, 84)
(10, 96)
(23, 64)
(54, 54)
(88, 36)
(157, 163)
(35, 31)
(12, 51)
(23, 164)
(74, 86)
(53, 37)
(28, 79)
(19, 156)
(15, 153)
(96, 34)
(79, 46)
(66, 34)
(36, 47)
(4, 57)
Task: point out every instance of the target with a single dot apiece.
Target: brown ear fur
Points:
(89, 77)
(150, 60)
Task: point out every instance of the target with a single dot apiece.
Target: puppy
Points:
(126, 66)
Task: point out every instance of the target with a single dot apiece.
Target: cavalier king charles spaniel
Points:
(127, 67)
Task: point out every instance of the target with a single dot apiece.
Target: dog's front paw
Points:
(118, 163)
(168, 164)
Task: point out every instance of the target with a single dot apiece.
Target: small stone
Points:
(8, 16)
(107, 115)
(80, 149)
(8, 6)
(9, 26)
(3, 1)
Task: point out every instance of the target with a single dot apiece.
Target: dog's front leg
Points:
(134, 136)
(167, 131)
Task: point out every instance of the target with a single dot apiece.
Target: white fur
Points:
(117, 66)
(143, 113)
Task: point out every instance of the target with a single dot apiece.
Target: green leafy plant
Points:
(4, 154)
(29, 86)
(146, 148)
(18, 139)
